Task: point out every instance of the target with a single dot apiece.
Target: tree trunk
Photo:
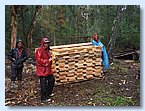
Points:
(120, 10)
(14, 25)
(23, 24)
(108, 20)
(31, 29)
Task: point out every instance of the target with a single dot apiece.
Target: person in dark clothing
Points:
(17, 56)
(44, 70)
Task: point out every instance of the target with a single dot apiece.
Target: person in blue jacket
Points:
(96, 42)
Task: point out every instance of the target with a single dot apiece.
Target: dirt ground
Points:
(119, 87)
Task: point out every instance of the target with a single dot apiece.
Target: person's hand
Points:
(50, 59)
(13, 59)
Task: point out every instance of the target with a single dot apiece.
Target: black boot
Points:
(19, 85)
(45, 99)
(12, 86)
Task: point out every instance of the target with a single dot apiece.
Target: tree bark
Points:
(33, 23)
(23, 24)
(120, 10)
(14, 25)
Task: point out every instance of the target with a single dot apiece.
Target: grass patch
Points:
(117, 101)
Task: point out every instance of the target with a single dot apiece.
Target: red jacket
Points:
(43, 65)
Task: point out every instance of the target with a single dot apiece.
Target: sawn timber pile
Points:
(76, 62)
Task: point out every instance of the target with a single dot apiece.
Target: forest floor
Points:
(119, 87)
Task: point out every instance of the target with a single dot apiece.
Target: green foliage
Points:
(117, 101)
(7, 28)
(129, 29)
(65, 24)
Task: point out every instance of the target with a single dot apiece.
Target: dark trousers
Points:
(16, 74)
(46, 84)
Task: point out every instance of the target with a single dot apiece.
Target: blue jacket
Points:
(105, 55)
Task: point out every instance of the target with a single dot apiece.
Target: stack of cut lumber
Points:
(76, 62)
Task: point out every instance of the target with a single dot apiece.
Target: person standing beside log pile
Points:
(44, 70)
(96, 42)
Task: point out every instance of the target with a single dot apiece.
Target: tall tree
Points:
(32, 26)
(23, 23)
(119, 13)
(14, 24)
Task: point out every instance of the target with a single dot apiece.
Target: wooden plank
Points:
(89, 68)
(89, 76)
(71, 67)
(77, 56)
(63, 69)
(71, 60)
(54, 70)
(88, 60)
(63, 81)
(78, 74)
(86, 55)
(91, 52)
(89, 64)
(126, 53)
(70, 75)
(61, 65)
(64, 73)
(71, 78)
(80, 78)
(55, 74)
(138, 51)
(90, 72)
(79, 70)
(71, 71)
(98, 64)
(96, 67)
(79, 66)
(70, 45)
(66, 57)
(81, 61)
(98, 70)
(97, 74)
(98, 59)
(71, 63)
(57, 79)
(62, 77)
(61, 61)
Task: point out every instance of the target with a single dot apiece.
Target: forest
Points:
(118, 27)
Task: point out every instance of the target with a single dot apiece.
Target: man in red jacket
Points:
(43, 70)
